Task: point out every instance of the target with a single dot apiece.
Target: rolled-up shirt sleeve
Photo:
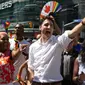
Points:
(64, 40)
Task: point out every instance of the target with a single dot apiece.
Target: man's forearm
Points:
(77, 29)
(57, 29)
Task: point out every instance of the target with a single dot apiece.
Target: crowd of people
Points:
(50, 60)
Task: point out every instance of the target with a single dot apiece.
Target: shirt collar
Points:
(50, 39)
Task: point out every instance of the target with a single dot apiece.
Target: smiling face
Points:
(47, 28)
(19, 31)
(4, 42)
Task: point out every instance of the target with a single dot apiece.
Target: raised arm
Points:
(57, 30)
(16, 52)
(77, 29)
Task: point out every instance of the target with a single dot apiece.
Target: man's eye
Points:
(46, 24)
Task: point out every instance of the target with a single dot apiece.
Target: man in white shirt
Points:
(45, 53)
(20, 49)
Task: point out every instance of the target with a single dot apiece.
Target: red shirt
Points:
(6, 68)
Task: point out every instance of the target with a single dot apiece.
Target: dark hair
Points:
(83, 56)
(83, 52)
(52, 14)
(47, 17)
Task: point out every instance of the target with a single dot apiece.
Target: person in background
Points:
(68, 57)
(19, 38)
(20, 48)
(6, 60)
(79, 67)
(29, 73)
(45, 53)
(29, 40)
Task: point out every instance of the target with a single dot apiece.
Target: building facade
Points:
(27, 12)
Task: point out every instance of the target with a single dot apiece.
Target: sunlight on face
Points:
(47, 27)
(4, 42)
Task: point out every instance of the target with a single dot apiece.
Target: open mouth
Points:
(48, 32)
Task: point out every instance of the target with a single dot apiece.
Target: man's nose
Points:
(49, 26)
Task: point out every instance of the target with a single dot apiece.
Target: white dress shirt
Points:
(45, 58)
